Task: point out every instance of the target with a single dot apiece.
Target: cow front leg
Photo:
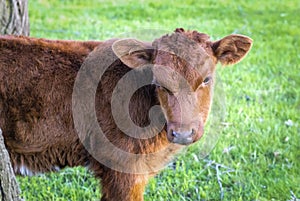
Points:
(118, 186)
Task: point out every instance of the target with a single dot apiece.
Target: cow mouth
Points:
(183, 141)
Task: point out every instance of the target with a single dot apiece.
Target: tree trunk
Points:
(9, 189)
(14, 17)
(13, 20)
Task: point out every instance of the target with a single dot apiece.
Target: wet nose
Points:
(183, 137)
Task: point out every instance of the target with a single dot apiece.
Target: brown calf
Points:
(94, 104)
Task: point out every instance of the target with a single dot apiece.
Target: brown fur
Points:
(37, 78)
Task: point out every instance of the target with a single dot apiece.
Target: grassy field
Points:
(257, 156)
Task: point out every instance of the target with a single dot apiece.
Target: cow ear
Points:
(232, 49)
(132, 52)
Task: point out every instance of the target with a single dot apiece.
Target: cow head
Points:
(183, 72)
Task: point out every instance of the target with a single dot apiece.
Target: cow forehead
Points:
(178, 50)
(184, 43)
(179, 77)
(181, 60)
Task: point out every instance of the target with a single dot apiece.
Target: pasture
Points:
(257, 156)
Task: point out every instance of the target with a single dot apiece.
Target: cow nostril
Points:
(187, 134)
(174, 133)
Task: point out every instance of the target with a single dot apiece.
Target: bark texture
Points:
(14, 17)
(13, 20)
(9, 189)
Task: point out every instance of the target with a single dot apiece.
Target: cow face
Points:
(183, 72)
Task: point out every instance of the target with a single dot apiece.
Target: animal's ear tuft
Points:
(132, 52)
(232, 49)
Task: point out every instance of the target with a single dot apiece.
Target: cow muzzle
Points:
(184, 137)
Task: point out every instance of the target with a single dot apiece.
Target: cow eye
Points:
(207, 80)
(166, 90)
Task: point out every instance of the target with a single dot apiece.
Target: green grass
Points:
(262, 161)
